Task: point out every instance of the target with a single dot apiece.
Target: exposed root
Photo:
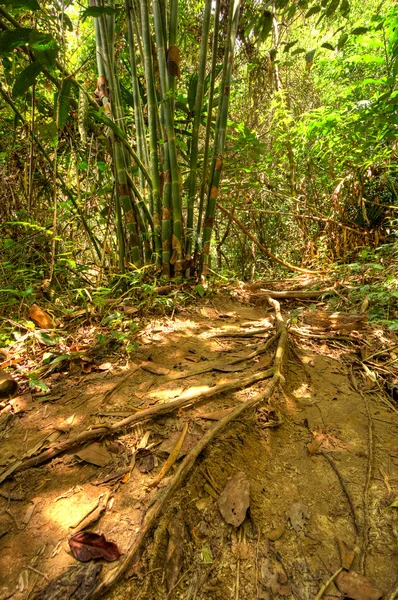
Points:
(189, 461)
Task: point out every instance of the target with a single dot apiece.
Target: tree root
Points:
(142, 415)
(188, 462)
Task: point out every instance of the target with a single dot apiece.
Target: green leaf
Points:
(44, 46)
(266, 24)
(63, 104)
(49, 132)
(313, 11)
(36, 383)
(26, 78)
(309, 57)
(327, 45)
(289, 45)
(12, 38)
(359, 30)
(331, 9)
(342, 40)
(29, 4)
(200, 289)
(98, 11)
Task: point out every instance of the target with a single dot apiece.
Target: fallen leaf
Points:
(314, 446)
(87, 545)
(146, 464)
(298, 516)
(175, 549)
(357, 587)
(40, 317)
(8, 385)
(276, 533)
(95, 454)
(190, 441)
(235, 499)
(152, 367)
(347, 554)
(28, 513)
(105, 366)
(130, 310)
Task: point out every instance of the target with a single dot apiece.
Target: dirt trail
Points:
(321, 458)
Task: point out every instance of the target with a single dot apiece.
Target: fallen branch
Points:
(189, 460)
(292, 293)
(110, 429)
(260, 246)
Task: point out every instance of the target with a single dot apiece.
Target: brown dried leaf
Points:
(146, 464)
(40, 317)
(87, 545)
(235, 499)
(8, 385)
(314, 446)
(347, 554)
(95, 454)
(356, 586)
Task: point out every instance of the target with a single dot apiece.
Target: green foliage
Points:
(26, 79)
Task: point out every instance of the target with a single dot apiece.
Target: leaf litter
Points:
(261, 507)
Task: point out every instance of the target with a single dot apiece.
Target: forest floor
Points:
(306, 478)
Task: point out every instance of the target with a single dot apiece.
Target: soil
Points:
(321, 458)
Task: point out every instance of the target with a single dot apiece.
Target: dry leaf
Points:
(87, 545)
(357, 587)
(40, 317)
(276, 533)
(314, 446)
(95, 454)
(347, 554)
(235, 499)
(298, 516)
(8, 385)
(105, 366)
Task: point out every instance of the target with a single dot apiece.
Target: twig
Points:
(326, 585)
(344, 488)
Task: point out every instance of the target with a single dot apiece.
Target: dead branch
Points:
(189, 460)
(292, 293)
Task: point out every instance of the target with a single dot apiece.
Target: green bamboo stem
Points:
(208, 127)
(152, 122)
(193, 169)
(177, 249)
(219, 142)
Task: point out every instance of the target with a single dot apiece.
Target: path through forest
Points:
(306, 475)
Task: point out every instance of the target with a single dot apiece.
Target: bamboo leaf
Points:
(63, 104)
(327, 45)
(359, 30)
(12, 38)
(26, 78)
(289, 45)
(342, 40)
(313, 11)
